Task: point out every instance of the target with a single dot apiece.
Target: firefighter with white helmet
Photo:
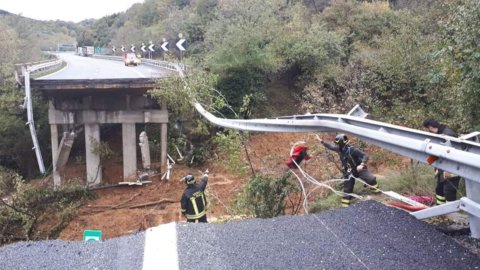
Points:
(353, 164)
(194, 201)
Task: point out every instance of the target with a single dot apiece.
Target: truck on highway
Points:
(85, 50)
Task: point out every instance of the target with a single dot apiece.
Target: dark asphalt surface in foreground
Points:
(367, 235)
(119, 253)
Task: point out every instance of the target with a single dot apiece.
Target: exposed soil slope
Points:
(117, 211)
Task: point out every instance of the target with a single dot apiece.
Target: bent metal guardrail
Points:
(27, 69)
(458, 156)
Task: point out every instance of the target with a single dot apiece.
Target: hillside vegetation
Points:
(401, 60)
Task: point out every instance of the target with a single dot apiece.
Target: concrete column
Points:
(163, 147)
(94, 169)
(129, 152)
(57, 179)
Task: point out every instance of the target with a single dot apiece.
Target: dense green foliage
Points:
(15, 144)
(25, 205)
(264, 197)
(34, 36)
(394, 62)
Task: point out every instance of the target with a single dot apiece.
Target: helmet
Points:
(341, 139)
(189, 179)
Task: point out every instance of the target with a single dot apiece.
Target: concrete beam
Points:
(129, 152)
(94, 169)
(107, 117)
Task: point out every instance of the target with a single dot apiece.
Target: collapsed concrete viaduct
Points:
(90, 103)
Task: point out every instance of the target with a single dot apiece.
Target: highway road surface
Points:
(90, 68)
(367, 235)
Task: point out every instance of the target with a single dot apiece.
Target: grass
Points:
(331, 201)
(416, 179)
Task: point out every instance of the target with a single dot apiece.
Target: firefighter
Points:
(446, 183)
(194, 202)
(353, 165)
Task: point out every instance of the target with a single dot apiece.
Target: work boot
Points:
(374, 189)
(345, 202)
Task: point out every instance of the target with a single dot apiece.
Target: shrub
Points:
(417, 179)
(265, 197)
(229, 146)
(19, 216)
(8, 181)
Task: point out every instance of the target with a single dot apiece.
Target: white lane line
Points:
(139, 73)
(161, 248)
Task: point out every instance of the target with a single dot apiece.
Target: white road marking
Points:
(161, 248)
(139, 73)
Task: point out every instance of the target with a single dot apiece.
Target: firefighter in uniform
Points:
(446, 183)
(353, 165)
(194, 202)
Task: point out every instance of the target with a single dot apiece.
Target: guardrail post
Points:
(473, 193)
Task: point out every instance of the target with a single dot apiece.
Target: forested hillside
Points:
(401, 60)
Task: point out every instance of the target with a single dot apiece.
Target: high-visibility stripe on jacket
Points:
(193, 201)
(345, 202)
(440, 199)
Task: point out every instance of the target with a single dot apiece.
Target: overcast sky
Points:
(66, 10)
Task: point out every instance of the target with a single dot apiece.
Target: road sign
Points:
(92, 236)
(151, 47)
(143, 48)
(122, 49)
(164, 46)
(179, 44)
(132, 48)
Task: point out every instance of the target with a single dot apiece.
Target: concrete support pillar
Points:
(94, 170)
(57, 179)
(163, 147)
(129, 152)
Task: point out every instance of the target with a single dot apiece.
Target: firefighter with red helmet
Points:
(194, 201)
(353, 165)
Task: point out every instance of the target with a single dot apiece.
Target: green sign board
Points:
(92, 236)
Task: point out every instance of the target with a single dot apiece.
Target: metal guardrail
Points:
(30, 123)
(455, 155)
(35, 67)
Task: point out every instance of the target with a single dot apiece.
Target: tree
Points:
(459, 62)
(16, 145)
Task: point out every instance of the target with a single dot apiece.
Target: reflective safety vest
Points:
(194, 202)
